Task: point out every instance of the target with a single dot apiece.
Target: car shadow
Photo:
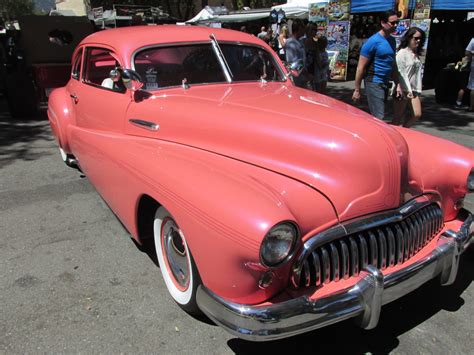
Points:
(17, 136)
(396, 319)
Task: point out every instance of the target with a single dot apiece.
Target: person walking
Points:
(282, 38)
(263, 33)
(376, 64)
(409, 74)
(470, 84)
(321, 67)
(296, 54)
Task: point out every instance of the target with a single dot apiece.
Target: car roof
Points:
(127, 40)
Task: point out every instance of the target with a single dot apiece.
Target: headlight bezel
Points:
(291, 251)
(470, 181)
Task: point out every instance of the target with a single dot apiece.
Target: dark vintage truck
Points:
(42, 61)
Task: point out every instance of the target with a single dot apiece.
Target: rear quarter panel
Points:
(61, 115)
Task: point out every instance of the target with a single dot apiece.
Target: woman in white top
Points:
(409, 74)
(282, 42)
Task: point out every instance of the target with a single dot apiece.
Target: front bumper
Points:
(362, 301)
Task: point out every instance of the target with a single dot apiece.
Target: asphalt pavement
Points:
(73, 281)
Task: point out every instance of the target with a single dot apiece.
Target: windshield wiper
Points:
(220, 56)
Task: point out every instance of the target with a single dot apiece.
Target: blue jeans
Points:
(376, 96)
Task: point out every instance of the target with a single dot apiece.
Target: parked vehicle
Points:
(40, 59)
(273, 209)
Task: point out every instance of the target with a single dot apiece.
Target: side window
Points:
(98, 64)
(76, 66)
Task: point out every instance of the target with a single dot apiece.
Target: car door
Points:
(100, 106)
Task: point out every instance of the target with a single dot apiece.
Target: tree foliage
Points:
(12, 9)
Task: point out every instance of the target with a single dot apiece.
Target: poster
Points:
(339, 10)
(318, 12)
(422, 9)
(338, 46)
(321, 28)
(402, 28)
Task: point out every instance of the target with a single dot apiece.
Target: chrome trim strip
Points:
(144, 124)
(363, 301)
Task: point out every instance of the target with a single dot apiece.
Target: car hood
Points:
(358, 162)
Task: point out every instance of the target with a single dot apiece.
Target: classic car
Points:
(274, 210)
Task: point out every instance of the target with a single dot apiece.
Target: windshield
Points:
(162, 67)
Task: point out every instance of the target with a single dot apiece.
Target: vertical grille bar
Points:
(373, 250)
(344, 260)
(406, 240)
(335, 267)
(364, 252)
(432, 222)
(354, 252)
(411, 238)
(392, 252)
(400, 243)
(316, 268)
(326, 266)
(382, 259)
(306, 274)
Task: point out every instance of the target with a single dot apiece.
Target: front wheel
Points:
(176, 262)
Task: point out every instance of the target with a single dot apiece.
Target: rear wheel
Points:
(176, 262)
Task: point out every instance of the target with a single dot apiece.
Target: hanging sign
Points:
(422, 10)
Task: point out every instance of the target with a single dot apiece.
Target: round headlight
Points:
(470, 181)
(278, 244)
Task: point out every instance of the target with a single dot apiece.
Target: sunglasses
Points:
(416, 38)
(393, 23)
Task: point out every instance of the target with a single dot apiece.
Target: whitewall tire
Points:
(175, 259)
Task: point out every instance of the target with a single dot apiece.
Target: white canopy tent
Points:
(293, 9)
(296, 8)
(206, 16)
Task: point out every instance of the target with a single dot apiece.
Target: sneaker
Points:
(460, 107)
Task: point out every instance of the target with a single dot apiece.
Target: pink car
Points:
(273, 209)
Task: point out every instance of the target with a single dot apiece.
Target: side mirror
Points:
(130, 79)
(294, 69)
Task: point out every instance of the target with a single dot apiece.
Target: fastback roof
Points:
(126, 40)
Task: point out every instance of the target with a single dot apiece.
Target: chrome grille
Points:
(381, 246)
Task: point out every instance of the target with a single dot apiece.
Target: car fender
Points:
(60, 115)
(439, 166)
(224, 206)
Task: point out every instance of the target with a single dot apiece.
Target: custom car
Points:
(273, 210)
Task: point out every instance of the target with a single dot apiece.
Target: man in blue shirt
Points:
(376, 63)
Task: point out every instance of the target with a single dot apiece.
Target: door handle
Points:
(144, 124)
(74, 97)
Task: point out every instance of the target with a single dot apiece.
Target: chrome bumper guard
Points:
(362, 301)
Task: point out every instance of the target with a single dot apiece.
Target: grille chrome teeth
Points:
(392, 252)
(345, 260)
(354, 265)
(326, 266)
(335, 263)
(317, 268)
(384, 246)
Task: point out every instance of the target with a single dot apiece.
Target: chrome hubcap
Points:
(176, 253)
